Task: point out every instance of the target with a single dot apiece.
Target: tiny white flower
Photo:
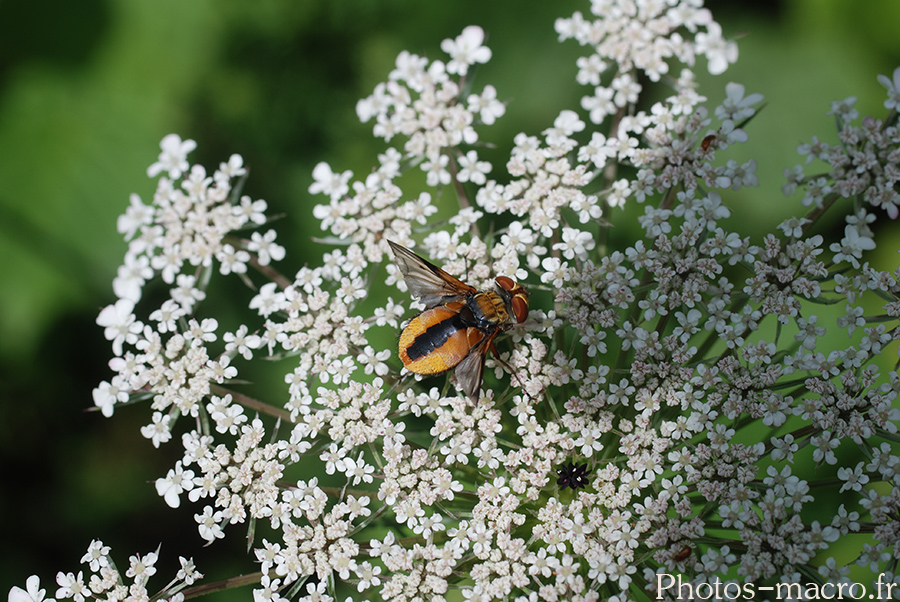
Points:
(173, 158)
(466, 50)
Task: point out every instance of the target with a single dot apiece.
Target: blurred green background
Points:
(87, 90)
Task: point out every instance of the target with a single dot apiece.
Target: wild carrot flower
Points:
(683, 405)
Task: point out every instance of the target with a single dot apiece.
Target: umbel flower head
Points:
(702, 401)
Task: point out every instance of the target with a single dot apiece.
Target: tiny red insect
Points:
(682, 554)
(459, 323)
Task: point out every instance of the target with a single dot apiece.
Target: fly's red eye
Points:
(519, 301)
(520, 307)
(505, 283)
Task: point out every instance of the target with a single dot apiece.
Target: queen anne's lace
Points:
(669, 393)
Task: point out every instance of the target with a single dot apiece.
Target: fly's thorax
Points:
(489, 311)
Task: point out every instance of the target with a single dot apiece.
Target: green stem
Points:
(253, 404)
(461, 193)
(222, 585)
(271, 273)
(816, 213)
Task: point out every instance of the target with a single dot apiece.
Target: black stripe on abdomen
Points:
(434, 337)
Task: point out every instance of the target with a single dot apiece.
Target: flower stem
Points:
(253, 404)
(817, 212)
(222, 585)
(271, 273)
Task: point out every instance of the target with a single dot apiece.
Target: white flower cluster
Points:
(865, 165)
(422, 102)
(685, 407)
(425, 105)
(189, 222)
(641, 37)
(105, 582)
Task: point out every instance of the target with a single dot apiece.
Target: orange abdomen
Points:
(436, 340)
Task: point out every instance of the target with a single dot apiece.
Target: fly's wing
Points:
(470, 371)
(428, 283)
